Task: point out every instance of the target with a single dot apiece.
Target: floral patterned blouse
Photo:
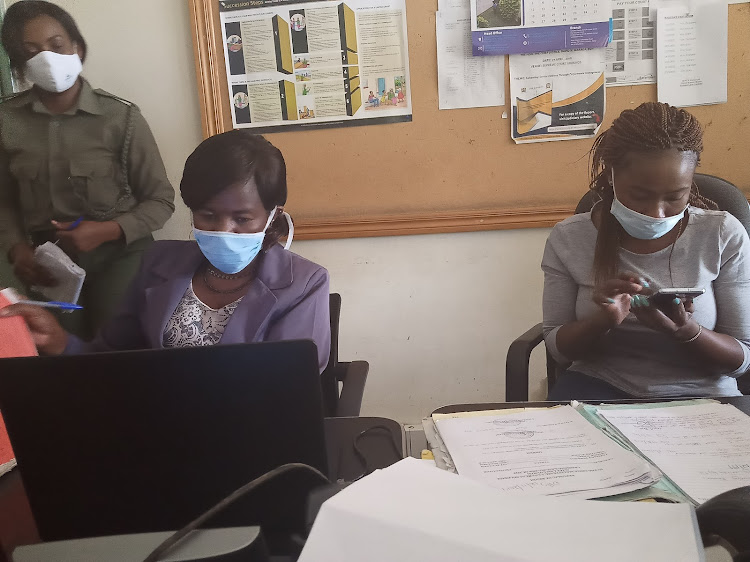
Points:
(195, 324)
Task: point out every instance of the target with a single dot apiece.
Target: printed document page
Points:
(412, 512)
(704, 449)
(463, 79)
(691, 54)
(543, 452)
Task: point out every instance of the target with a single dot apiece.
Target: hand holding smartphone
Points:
(665, 297)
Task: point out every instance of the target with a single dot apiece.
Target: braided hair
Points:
(646, 129)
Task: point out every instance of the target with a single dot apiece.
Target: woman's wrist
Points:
(111, 231)
(688, 332)
(601, 321)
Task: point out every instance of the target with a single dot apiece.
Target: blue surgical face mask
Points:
(230, 252)
(641, 226)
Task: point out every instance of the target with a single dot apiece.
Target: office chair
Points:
(725, 194)
(343, 384)
(727, 517)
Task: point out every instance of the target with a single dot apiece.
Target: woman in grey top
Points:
(651, 229)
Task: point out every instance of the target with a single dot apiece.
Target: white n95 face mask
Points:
(641, 226)
(53, 72)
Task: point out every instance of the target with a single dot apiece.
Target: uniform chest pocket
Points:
(26, 173)
(95, 184)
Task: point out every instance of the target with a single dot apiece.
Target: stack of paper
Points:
(704, 449)
(411, 511)
(67, 273)
(543, 452)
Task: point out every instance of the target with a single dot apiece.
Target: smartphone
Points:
(664, 297)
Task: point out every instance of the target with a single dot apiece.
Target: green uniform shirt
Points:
(61, 167)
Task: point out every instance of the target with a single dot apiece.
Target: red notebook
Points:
(15, 338)
(15, 341)
(7, 458)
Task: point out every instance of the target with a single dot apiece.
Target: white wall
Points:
(433, 315)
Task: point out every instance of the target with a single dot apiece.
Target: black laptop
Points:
(140, 441)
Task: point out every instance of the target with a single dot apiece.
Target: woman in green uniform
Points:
(78, 166)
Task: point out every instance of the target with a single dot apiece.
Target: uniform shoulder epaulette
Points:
(114, 97)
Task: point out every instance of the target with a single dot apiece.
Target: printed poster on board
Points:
(295, 65)
(557, 96)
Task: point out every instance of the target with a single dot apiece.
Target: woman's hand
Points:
(48, 335)
(614, 297)
(87, 236)
(27, 269)
(676, 319)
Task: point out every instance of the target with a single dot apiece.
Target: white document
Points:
(463, 79)
(69, 275)
(543, 452)
(692, 53)
(704, 449)
(461, 5)
(631, 55)
(558, 95)
(411, 512)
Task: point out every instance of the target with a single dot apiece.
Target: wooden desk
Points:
(740, 402)
(17, 525)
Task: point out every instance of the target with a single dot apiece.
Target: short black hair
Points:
(22, 12)
(234, 158)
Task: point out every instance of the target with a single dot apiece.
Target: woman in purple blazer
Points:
(233, 284)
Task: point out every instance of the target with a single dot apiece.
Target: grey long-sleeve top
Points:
(712, 253)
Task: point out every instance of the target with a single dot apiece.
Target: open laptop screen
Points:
(141, 441)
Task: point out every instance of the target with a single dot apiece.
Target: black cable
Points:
(361, 456)
(172, 540)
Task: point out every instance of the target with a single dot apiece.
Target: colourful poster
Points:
(557, 96)
(310, 64)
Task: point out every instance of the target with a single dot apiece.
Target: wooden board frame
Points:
(532, 212)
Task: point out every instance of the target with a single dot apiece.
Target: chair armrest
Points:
(517, 365)
(743, 383)
(354, 376)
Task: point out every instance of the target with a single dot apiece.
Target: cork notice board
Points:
(453, 171)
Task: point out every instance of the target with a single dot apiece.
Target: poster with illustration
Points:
(557, 96)
(298, 65)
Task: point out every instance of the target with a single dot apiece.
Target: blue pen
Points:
(75, 223)
(53, 304)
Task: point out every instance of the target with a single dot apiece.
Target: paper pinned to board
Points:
(631, 55)
(68, 274)
(692, 53)
(465, 80)
(557, 96)
(704, 449)
(411, 511)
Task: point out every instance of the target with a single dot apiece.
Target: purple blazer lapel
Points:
(166, 288)
(252, 314)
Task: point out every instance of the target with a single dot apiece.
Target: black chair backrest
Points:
(329, 378)
(335, 307)
(725, 194)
